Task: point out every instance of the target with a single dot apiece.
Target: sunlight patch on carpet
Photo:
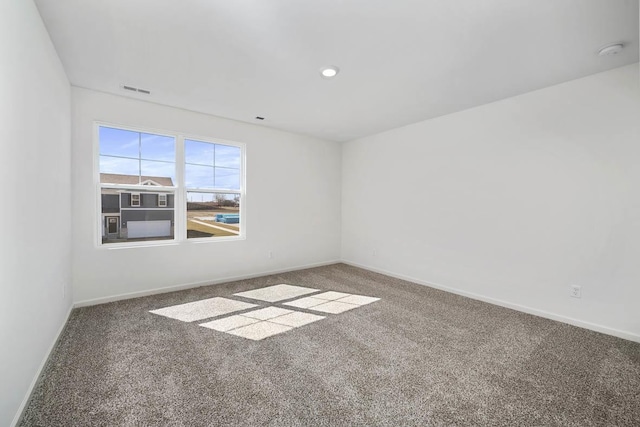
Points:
(276, 292)
(203, 309)
(265, 321)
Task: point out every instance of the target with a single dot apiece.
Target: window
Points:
(212, 181)
(167, 187)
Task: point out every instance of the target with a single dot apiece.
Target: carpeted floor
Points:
(418, 356)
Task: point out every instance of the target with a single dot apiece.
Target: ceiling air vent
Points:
(136, 89)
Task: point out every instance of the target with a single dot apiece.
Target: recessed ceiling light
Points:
(612, 49)
(329, 72)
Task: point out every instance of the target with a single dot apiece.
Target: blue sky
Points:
(135, 153)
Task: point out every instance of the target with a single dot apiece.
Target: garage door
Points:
(137, 229)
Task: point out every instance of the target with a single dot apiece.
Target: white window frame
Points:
(162, 200)
(179, 190)
(138, 198)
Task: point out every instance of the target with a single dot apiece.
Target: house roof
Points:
(113, 178)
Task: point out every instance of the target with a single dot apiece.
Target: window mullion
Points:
(180, 209)
(140, 157)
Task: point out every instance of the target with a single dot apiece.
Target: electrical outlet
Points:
(575, 291)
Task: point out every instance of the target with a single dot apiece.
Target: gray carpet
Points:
(418, 356)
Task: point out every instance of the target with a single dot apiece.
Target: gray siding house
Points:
(132, 215)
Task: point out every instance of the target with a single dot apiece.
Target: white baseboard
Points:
(27, 396)
(541, 313)
(181, 287)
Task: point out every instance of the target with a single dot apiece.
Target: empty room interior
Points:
(329, 213)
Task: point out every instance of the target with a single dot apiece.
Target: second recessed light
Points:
(329, 72)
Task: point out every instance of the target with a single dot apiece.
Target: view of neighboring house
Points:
(128, 215)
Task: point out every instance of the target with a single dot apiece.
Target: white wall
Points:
(35, 172)
(301, 169)
(511, 201)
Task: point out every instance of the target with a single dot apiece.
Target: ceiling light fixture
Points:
(329, 72)
(612, 49)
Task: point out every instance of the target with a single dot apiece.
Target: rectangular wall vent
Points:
(136, 89)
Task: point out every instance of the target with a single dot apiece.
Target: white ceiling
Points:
(401, 61)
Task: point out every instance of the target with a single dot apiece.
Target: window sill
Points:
(125, 245)
(200, 240)
(192, 241)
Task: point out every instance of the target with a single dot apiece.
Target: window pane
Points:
(198, 176)
(122, 221)
(199, 153)
(118, 165)
(227, 178)
(157, 147)
(118, 142)
(160, 173)
(120, 155)
(212, 215)
(227, 156)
